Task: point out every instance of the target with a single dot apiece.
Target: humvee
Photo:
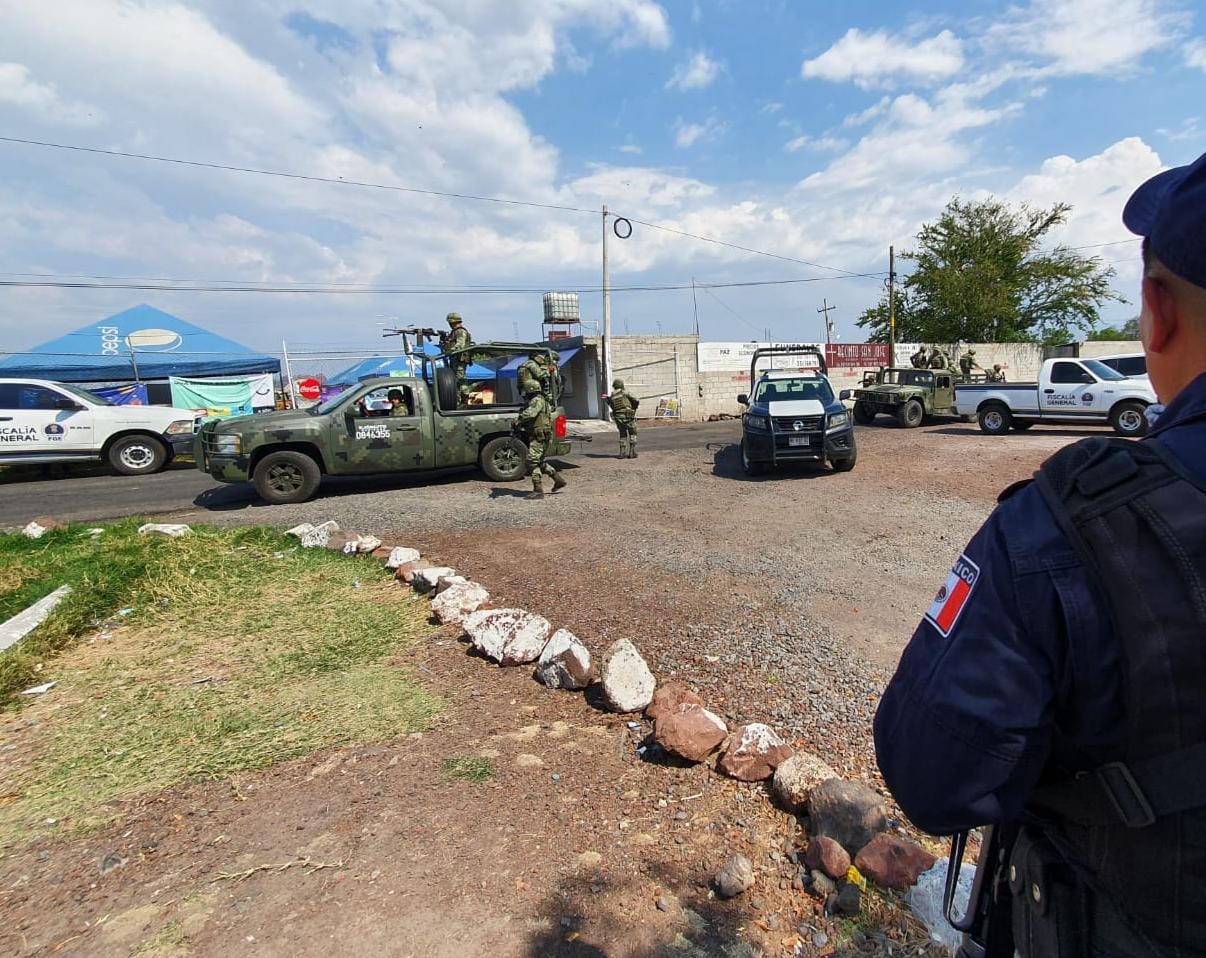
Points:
(286, 454)
(907, 393)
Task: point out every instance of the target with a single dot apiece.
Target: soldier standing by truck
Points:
(535, 424)
(623, 411)
(532, 375)
(967, 362)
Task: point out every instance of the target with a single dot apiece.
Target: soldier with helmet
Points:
(533, 375)
(623, 411)
(458, 338)
(534, 424)
(995, 375)
(967, 362)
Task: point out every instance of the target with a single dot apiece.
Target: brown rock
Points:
(893, 862)
(826, 855)
(669, 697)
(690, 732)
(338, 540)
(754, 752)
(408, 570)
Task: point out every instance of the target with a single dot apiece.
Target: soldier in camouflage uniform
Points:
(938, 358)
(919, 359)
(458, 338)
(552, 391)
(535, 424)
(623, 411)
(967, 362)
(533, 376)
(995, 375)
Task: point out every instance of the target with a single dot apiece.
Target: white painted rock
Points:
(628, 684)
(400, 556)
(508, 636)
(34, 531)
(426, 580)
(456, 602)
(798, 776)
(173, 530)
(300, 530)
(564, 663)
(448, 581)
(318, 536)
(361, 545)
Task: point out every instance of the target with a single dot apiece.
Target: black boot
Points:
(537, 489)
(558, 481)
(631, 448)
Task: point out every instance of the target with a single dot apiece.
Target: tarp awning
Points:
(137, 344)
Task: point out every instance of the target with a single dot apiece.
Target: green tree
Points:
(1128, 330)
(980, 275)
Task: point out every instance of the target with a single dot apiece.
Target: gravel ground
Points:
(786, 599)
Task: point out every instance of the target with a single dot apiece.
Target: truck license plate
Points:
(797, 440)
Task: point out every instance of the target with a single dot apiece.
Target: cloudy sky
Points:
(820, 132)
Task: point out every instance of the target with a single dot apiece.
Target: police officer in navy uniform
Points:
(1058, 681)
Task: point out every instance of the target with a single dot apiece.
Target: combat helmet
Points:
(617, 384)
(454, 319)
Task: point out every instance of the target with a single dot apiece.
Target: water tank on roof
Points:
(561, 308)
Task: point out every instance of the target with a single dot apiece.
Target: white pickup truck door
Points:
(32, 422)
(1072, 391)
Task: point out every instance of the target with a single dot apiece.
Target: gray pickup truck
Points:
(286, 454)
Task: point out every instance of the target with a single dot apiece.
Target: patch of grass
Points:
(233, 659)
(469, 768)
(170, 939)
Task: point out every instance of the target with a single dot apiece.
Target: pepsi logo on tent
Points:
(155, 340)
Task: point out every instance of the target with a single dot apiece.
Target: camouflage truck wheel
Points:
(286, 476)
(504, 459)
(910, 414)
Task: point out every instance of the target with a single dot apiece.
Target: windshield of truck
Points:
(330, 405)
(909, 377)
(1102, 371)
(84, 394)
(789, 390)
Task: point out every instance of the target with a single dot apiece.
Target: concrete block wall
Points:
(667, 367)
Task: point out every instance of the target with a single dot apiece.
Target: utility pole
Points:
(825, 308)
(290, 394)
(606, 314)
(695, 304)
(891, 305)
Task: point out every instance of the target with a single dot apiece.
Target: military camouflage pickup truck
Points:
(364, 431)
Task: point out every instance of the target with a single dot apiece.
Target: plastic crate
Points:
(561, 308)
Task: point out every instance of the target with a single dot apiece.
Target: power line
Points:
(185, 287)
(708, 290)
(309, 178)
(340, 181)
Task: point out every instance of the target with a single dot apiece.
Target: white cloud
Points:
(1195, 53)
(631, 148)
(1188, 130)
(41, 100)
(869, 114)
(876, 59)
(1088, 36)
(687, 135)
(696, 74)
(774, 106)
(820, 144)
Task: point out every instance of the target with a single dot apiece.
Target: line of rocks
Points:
(848, 821)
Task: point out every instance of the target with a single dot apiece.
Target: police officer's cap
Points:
(1169, 210)
(454, 319)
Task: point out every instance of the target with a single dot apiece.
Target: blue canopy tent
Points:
(138, 344)
(400, 366)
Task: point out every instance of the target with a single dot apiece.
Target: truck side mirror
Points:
(744, 399)
(845, 394)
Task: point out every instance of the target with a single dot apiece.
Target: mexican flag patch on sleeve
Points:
(948, 604)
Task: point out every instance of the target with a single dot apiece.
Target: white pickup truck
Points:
(1068, 390)
(44, 422)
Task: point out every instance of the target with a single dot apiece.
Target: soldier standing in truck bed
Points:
(623, 411)
(456, 338)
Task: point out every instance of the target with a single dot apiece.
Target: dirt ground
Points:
(785, 599)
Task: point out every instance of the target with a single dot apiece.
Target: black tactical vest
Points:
(1138, 825)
